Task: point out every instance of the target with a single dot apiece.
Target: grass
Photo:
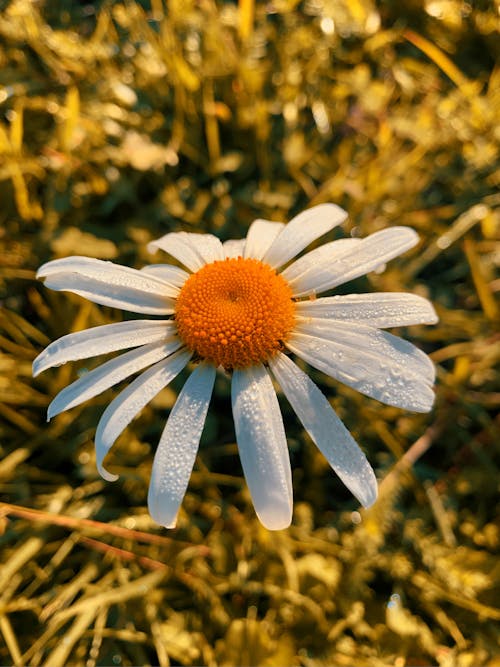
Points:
(121, 121)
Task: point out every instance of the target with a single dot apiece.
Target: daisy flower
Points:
(244, 306)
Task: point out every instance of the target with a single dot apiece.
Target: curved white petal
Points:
(392, 349)
(301, 231)
(262, 446)
(260, 236)
(192, 250)
(176, 453)
(369, 373)
(377, 309)
(173, 275)
(122, 410)
(108, 374)
(326, 253)
(106, 272)
(326, 430)
(148, 301)
(361, 258)
(101, 340)
(234, 248)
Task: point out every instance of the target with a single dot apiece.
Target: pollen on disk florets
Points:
(235, 312)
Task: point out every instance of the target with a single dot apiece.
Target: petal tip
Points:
(276, 521)
(162, 513)
(35, 367)
(337, 210)
(52, 411)
(270, 525)
(433, 316)
(413, 237)
(161, 518)
(371, 496)
(427, 401)
(45, 268)
(42, 270)
(108, 476)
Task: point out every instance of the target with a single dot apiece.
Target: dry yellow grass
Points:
(120, 121)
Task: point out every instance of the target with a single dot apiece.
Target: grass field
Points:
(121, 121)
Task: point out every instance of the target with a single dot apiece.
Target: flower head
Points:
(243, 306)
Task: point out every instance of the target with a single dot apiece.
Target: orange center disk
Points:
(235, 313)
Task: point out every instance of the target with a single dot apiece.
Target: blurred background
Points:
(121, 121)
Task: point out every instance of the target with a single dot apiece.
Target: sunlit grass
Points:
(122, 121)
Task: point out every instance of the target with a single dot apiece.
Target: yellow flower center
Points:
(235, 313)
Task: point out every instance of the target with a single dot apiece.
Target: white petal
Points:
(326, 430)
(361, 258)
(326, 253)
(301, 231)
(176, 453)
(260, 237)
(111, 372)
(369, 373)
(192, 250)
(109, 284)
(378, 309)
(234, 248)
(106, 272)
(262, 446)
(367, 339)
(122, 410)
(101, 340)
(173, 275)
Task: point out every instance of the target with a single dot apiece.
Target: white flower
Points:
(235, 306)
